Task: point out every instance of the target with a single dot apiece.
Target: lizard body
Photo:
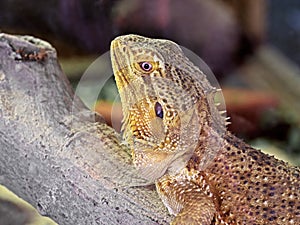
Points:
(203, 173)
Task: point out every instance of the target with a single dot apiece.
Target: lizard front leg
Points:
(189, 197)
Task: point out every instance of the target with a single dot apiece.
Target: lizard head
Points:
(164, 101)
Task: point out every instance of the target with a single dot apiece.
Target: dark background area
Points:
(284, 27)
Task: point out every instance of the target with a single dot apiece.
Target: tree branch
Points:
(56, 154)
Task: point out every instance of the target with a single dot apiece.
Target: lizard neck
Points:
(211, 143)
(211, 140)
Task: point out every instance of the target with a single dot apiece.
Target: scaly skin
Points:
(203, 174)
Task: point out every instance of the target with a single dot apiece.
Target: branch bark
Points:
(59, 156)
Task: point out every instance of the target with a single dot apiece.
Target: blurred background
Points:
(252, 47)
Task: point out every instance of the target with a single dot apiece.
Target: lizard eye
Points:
(146, 66)
(158, 110)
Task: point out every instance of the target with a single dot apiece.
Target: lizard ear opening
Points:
(158, 110)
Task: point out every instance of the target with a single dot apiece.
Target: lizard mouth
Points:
(116, 54)
(118, 62)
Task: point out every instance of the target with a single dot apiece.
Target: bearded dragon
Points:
(178, 138)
